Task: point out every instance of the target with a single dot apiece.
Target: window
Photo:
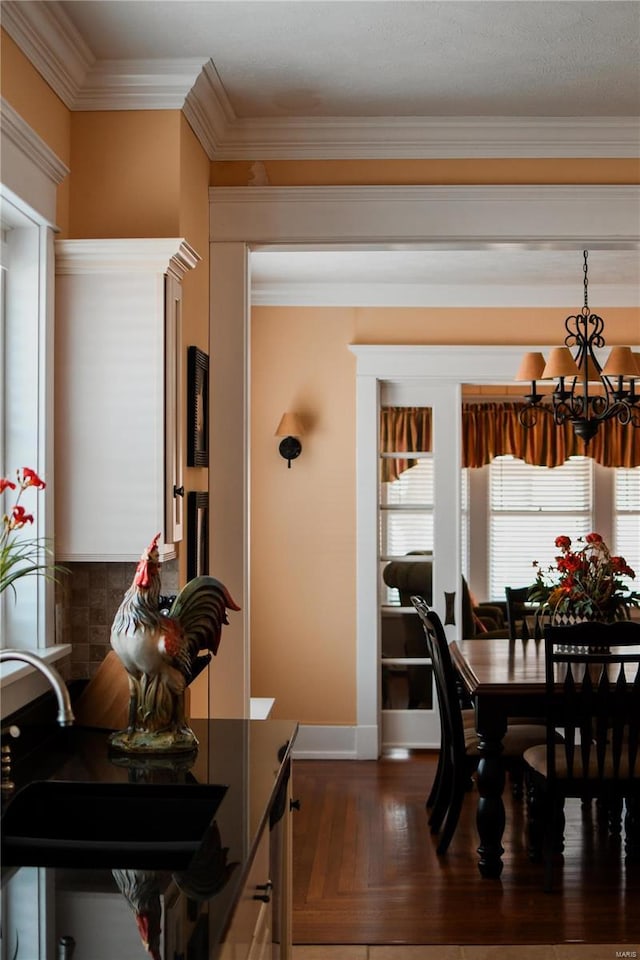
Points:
(31, 172)
(528, 508)
(25, 427)
(465, 522)
(3, 348)
(406, 514)
(627, 517)
(406, 526)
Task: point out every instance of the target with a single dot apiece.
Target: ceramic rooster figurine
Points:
(162, 653)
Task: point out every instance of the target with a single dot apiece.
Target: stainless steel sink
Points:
(137, 825)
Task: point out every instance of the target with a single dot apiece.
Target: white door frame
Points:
(242, 218)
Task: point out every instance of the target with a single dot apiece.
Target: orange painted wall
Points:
(494, 325)
(293, 173)
(125, 173)
(303, 539)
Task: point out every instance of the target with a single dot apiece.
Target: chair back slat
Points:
(593, 692)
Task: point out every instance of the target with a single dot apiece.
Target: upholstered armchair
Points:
(415, 578)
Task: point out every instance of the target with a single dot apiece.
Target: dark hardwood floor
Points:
(365, 869)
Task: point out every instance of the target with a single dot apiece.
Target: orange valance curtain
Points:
(403, 428)
(493, 429)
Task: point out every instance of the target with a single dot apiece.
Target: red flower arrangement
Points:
(585, 582)
(20, 557)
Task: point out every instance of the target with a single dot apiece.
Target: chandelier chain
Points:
(585, 309)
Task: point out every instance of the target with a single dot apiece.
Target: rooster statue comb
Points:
(163, 653)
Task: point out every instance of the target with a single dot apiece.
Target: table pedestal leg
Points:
(490, 816)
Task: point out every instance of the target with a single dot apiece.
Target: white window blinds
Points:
(406, 511)
(627, 518)
(528, 508)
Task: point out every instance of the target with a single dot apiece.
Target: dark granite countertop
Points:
(249, 757)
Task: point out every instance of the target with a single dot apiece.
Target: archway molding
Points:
(247, 218)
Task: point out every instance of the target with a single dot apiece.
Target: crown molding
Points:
(157, 255)
(209, 112)
(46, 35)
(416, 137)
(49, 39)
(138, 85)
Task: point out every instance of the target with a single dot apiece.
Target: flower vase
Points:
(567, 620)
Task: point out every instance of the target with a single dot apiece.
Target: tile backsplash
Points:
(86, 602)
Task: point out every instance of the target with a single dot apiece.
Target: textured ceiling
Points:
(389, 58)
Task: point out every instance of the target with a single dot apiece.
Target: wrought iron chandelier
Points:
(585, 394)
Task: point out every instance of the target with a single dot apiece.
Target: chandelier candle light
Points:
(586, 394)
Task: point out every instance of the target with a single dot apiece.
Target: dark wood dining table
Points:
(503, 678)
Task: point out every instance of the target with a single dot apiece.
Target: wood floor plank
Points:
(365, 869)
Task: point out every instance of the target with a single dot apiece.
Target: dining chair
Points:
(517, 609)
(459, 757)
(438, 798)
(592, 679)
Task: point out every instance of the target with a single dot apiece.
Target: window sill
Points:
(21, 683)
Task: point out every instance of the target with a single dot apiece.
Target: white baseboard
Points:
(335, 743)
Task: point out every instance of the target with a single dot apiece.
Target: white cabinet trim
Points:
(171, 254)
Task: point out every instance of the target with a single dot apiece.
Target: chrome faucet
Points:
(65, 713)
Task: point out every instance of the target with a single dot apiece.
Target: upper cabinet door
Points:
(119, 397)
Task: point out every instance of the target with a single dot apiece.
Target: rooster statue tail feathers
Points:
(200, 608)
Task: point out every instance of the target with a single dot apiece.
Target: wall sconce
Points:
(290, 428)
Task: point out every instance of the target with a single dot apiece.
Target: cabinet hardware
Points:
(7, 785)
(178, 491)
(66, 947)
(266, 896)
(294, 804)
(11, 729)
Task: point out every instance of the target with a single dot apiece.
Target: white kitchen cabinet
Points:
(260, 927)
(250, 933)
(119, 396)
